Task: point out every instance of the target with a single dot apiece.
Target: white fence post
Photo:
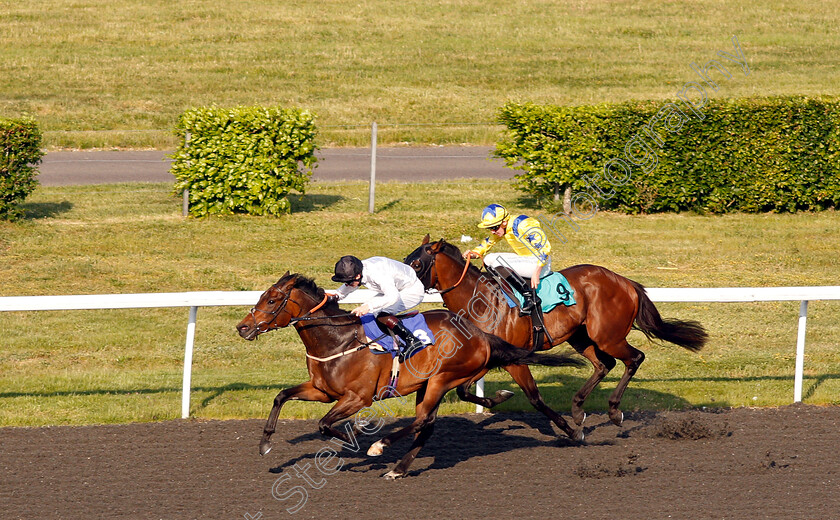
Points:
(188, 355)
(479, 391)
(800, 352)
(372, 191)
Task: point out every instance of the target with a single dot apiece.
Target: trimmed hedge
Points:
(751, 155)
(21, 142)
(244, 159)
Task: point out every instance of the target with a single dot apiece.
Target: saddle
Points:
(539, 333)
(383, 339)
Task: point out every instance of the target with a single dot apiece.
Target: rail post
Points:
(372, 191)
(188, 355)
(800, 352)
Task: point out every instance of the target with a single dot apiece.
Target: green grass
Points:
(100, 73)
(80, 367)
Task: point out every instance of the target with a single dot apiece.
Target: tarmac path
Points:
(392, 164)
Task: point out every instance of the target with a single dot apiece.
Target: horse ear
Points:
(425, 240)
(287, 274)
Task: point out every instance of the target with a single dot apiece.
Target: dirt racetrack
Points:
(739, 464)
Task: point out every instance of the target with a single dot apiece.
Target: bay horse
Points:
(608, 307)
(342, 368)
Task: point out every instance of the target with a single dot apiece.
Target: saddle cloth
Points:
(553, 290)
(415, 323)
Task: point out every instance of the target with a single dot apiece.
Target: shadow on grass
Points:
(388, 206)
(39, 210)
(527, 202)
(215, 391)
(310, 203)
(558, 398)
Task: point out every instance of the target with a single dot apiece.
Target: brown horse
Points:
(343, 369)
(597, 326)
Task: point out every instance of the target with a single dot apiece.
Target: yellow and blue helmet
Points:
(492, 216)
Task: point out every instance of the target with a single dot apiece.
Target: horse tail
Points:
(503, 354)
(688, 334)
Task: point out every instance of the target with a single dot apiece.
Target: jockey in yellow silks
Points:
(530, 261)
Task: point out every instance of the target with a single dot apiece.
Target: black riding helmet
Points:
(347, 269)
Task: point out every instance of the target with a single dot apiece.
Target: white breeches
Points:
(409, 297)
(523, 265)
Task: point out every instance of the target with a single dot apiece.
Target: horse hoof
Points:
(392, 475)
(504, 395)
(264, 448)
(578, 436)
(376, 449)
(617, 418)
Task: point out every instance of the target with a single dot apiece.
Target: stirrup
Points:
(528, 306)
(410, 346)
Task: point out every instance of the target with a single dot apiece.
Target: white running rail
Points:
(194, 300)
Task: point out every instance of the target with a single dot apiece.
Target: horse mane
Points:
(449, 249)
(308, 286)
(454, 252)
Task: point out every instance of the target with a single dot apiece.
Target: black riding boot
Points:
(411, 341)
(527, 293)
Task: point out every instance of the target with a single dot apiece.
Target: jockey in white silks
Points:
(396, 284)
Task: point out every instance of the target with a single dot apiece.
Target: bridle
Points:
(292, 320)
(307, 317)
(427, 268)
(273, 314)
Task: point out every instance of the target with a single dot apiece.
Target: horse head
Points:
(280, 305)
(422, 260)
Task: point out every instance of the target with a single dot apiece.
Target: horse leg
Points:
(602, 363)
(426, 430)
(349, 404)
(302, 392)
(523, 377)
(379, 446)
(464, 394)
(632, 358)
(422, 427)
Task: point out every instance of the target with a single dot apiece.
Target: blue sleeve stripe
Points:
(518, 220)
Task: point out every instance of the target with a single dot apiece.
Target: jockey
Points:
(397, 286)
(531, 258)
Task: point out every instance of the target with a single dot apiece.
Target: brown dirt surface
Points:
(717, 464)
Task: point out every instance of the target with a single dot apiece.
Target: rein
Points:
(292, 321)
(461, 279)
(308, 317)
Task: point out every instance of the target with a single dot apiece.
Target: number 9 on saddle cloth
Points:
(553, 290)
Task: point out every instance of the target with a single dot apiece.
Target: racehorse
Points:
(342, 368)
(608, 306)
